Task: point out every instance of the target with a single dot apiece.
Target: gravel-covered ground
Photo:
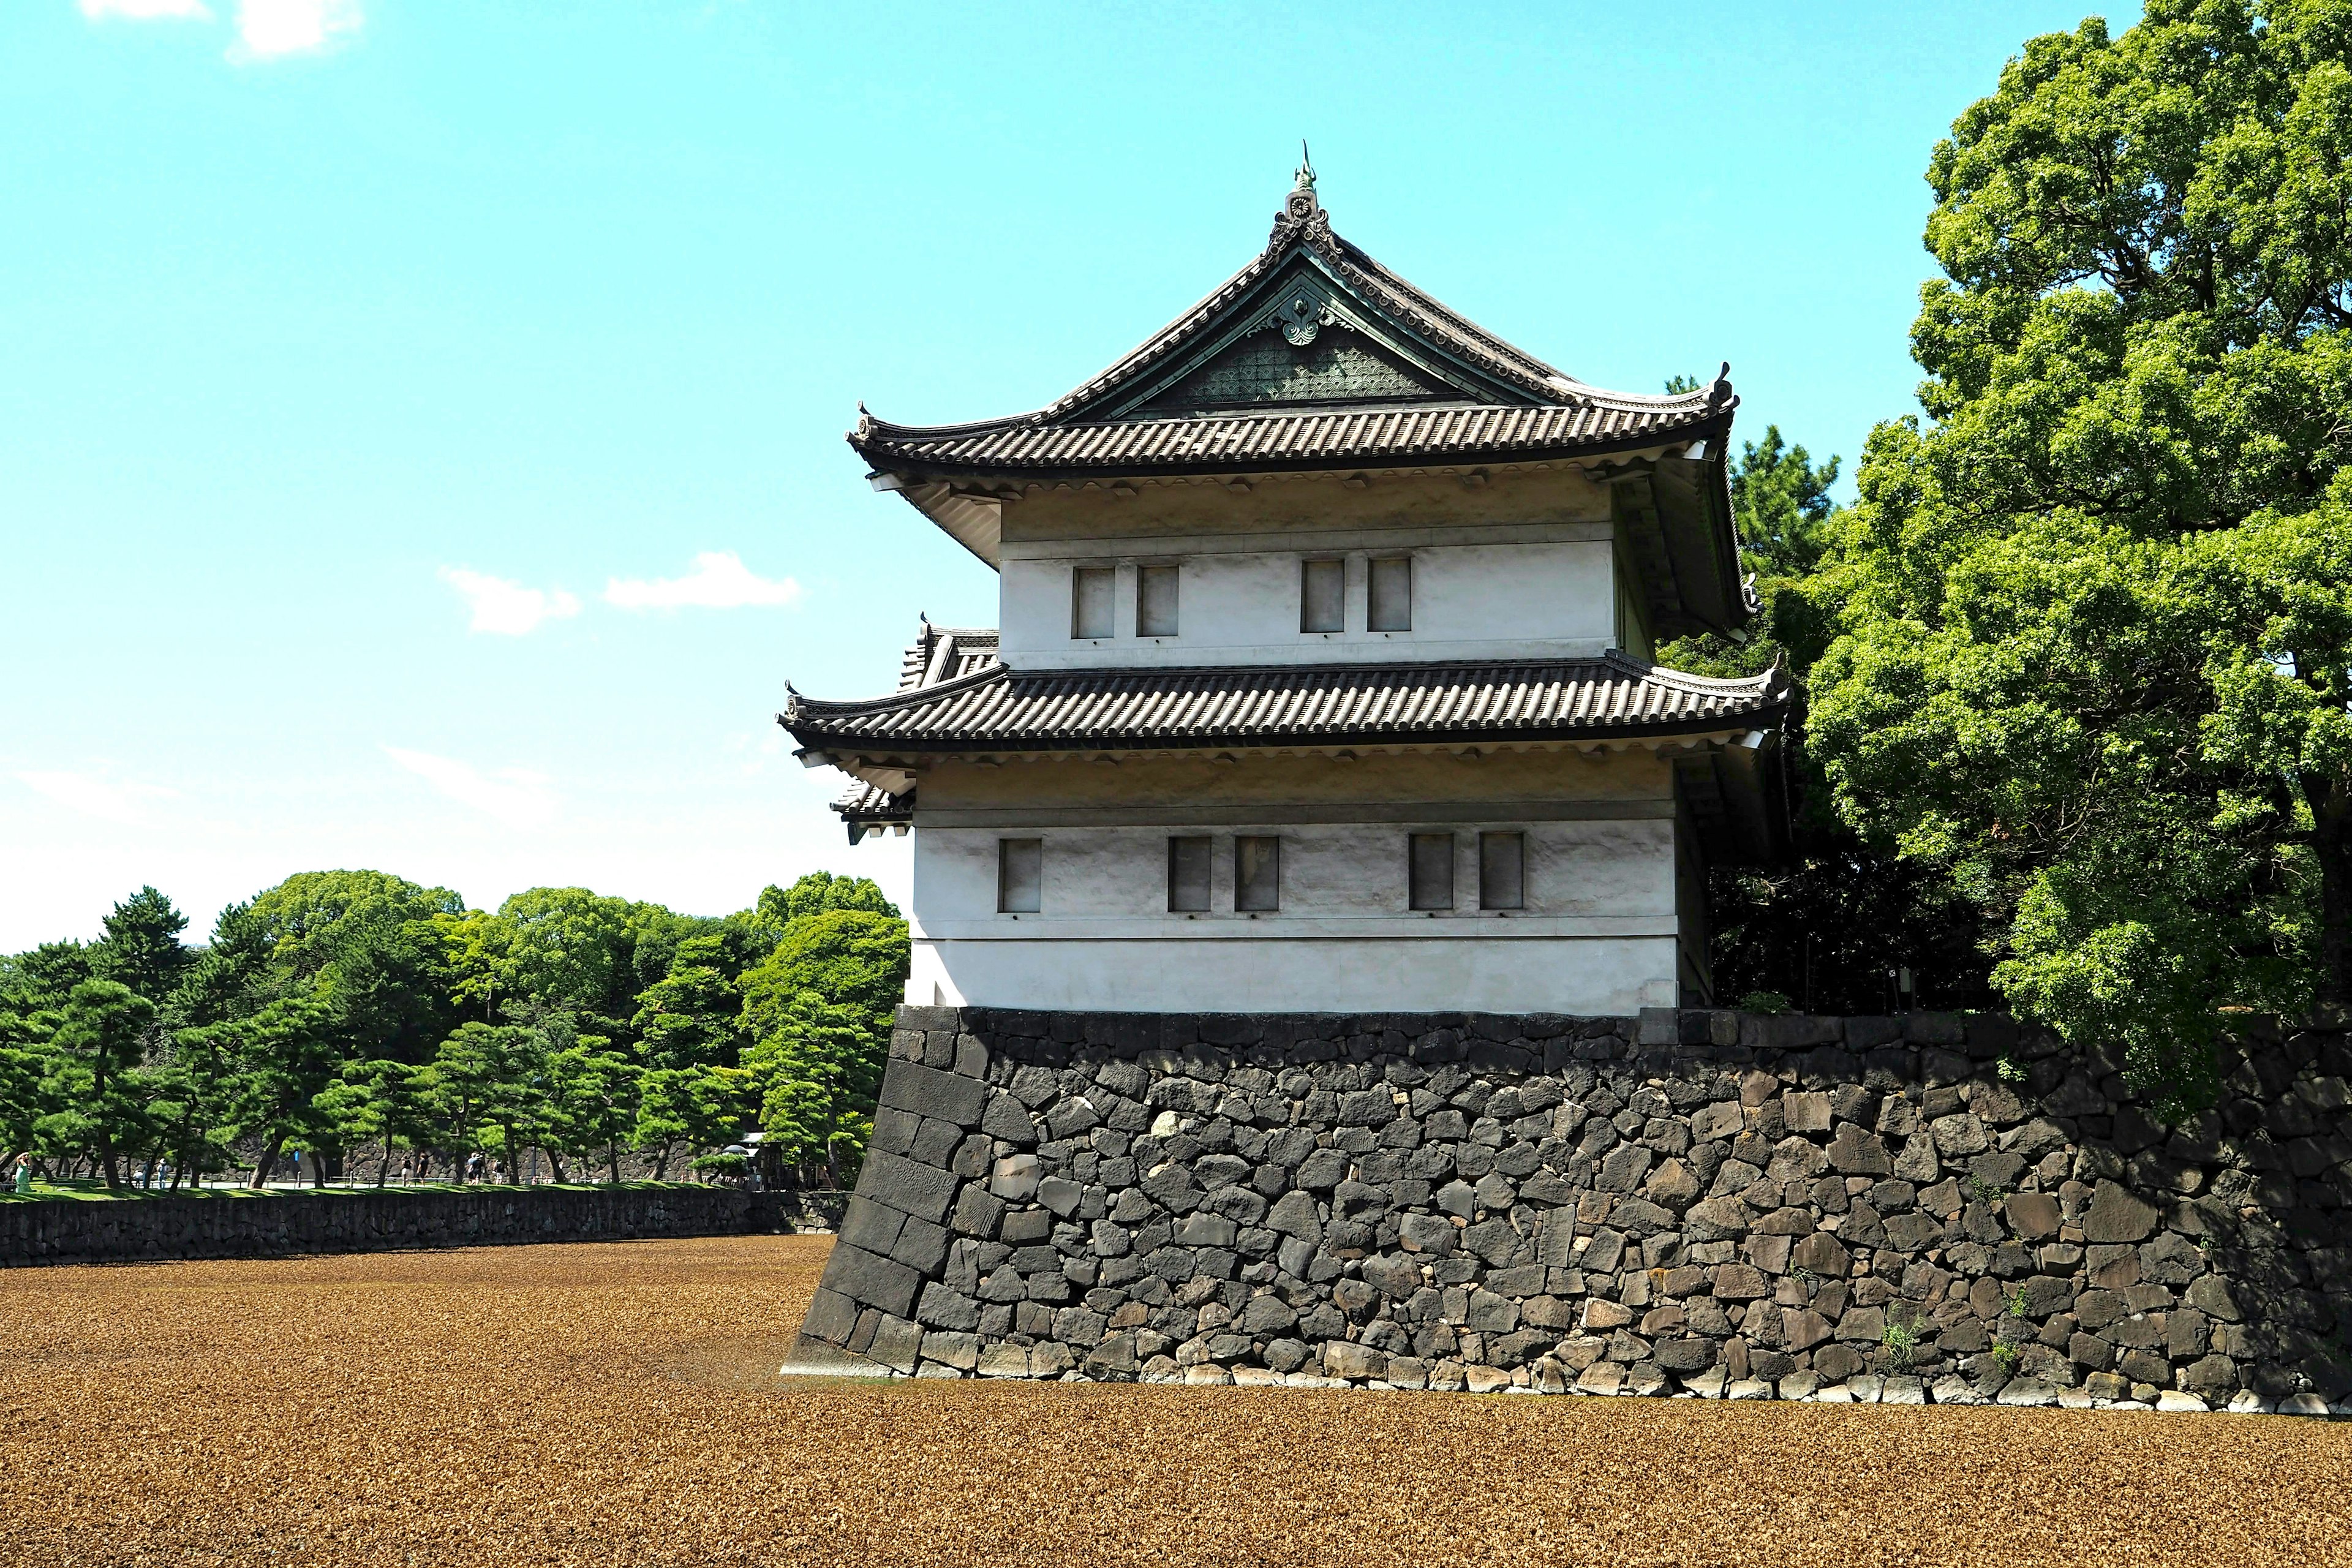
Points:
(617, 1404)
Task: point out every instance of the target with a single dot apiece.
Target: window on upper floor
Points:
(1092, 590)
(1429, 871)
(1502, 870)
(1322, 595)
(1188, 874)
(1020, 875)
(1391, 594)
(1155, 601)
(1257, 874)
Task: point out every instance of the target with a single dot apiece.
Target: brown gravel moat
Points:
(618, 1405)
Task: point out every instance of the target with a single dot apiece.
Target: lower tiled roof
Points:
(1001, 709)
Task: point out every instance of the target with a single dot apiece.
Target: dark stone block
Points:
(922, 1246)
(878, 1282)
(923, 1191)
(978, 1213)
(928, 1091)
(832, 1316)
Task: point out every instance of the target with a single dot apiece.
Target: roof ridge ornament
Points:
(1302, 216)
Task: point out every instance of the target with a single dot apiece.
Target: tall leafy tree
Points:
(2095, 616)
(852, 958)
(821, 892)
(570, 949)
(693, 1017)
(1835, 925)
(42, 979)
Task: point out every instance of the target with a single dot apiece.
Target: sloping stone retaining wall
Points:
(278, 1226)
(1936, 1206)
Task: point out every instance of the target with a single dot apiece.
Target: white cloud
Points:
(268, 28)
(719, 581)
(95, 797)
(515, 797)
(509, 608)
(145, 10)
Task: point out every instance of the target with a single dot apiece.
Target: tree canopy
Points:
(343, 1009)
(2093, 619)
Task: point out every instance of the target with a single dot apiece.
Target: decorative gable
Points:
(1333, 366)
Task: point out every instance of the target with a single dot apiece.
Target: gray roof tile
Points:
(996, 708)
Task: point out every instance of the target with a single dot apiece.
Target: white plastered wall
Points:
(1597, 933)
(1506, 596)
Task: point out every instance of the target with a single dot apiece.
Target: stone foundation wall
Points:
(282, 1224)
(1932, 1207)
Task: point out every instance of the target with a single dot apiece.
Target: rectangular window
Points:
(1257, 874)
(1432, 870)
(1188, 874)
(1155, 601)
(1020, 875)
(1322, 595)
(1502, 870)
(1391, 594)
(1091, 590)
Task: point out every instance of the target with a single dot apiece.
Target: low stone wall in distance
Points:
(283, 1224)
(1936, 1206)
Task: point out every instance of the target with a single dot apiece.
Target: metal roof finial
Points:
(1300, 209)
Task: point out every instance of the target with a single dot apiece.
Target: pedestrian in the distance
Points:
(23, 1176)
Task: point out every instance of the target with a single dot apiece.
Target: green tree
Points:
(594, 1091)
(569, 949)
(852, 958)
(42, 979)
(821, 892)
(2095, 618)
(141, 947)
(93, 1073)
(285, 1055)
(366, 943)
(381, 1101)
(698, 1108)
(474, 1084)
(193, 1090)
(227, 978)
(1833, 925)
(694, 1016)
(817, 1073)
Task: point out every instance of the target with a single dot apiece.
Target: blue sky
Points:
(420, 437)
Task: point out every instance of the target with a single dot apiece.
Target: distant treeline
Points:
(342, 1010)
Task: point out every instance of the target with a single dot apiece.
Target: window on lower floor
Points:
(1391, 596)
(1155, 601)
(1020, 875)
(1322, 595)
(1502, 870)
(1188, 874)
(1092, 591)
(1429, 870)
(1257, 874)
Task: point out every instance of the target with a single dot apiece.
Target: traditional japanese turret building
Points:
(1322, 679)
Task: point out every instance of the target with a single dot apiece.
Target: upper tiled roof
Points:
(997, 709)
(1318, 438)
(1474, 397)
